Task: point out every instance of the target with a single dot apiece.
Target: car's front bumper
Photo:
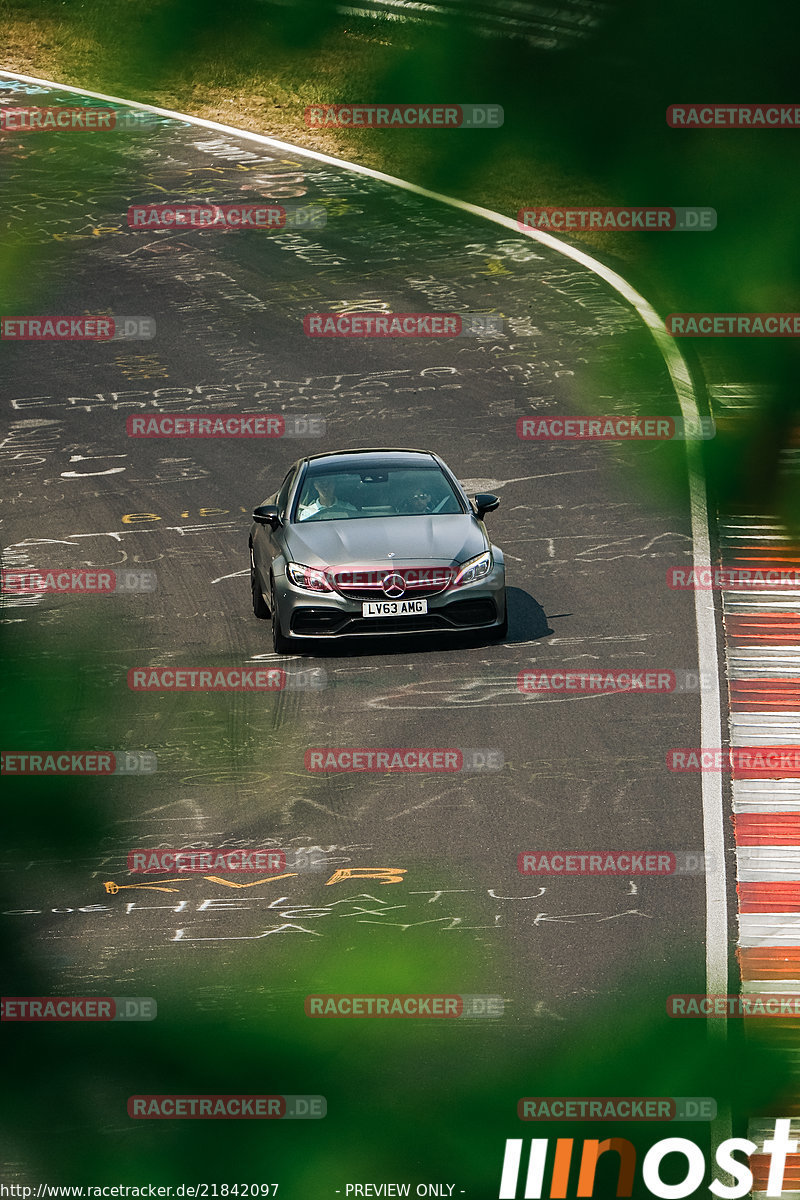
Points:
(475, 606)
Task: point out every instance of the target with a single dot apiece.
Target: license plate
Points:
(393, 608)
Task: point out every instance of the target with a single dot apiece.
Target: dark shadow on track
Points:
(527, 620)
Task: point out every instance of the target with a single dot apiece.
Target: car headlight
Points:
(307, 578)
(474, 568)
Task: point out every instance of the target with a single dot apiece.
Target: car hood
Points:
(366, 541)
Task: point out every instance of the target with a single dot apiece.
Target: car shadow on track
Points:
(527, 622)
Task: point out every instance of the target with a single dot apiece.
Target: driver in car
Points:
(326, 499)
(419, 500)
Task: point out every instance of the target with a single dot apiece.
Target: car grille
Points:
(371, 588)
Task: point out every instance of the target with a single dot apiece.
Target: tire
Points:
(280, 644)
(500, 632)
(259, 605)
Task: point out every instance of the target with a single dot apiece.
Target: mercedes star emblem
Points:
(393, 585)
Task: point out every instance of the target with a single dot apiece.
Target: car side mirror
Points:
(485, 502)
(267, 514)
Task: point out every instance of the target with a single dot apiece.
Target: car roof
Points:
(370, 456)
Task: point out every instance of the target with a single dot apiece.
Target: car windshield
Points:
(382, 491)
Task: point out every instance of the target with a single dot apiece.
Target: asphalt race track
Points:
(589, 530)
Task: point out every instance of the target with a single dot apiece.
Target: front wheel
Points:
(501, 631)
(280, 644)
(259, 605)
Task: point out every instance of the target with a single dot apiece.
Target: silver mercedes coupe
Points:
(369, 543)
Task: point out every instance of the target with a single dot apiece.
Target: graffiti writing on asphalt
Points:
(364, 908)
(383, 875)
(256, 395)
